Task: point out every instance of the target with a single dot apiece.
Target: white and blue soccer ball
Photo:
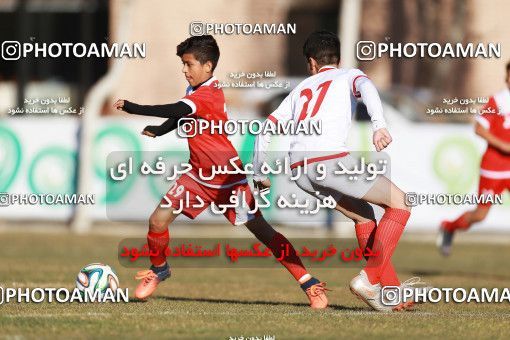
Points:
(97, 277)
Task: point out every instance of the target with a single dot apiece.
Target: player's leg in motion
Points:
(391, 226)
(367, 285)
(158, 239)
(463, 222)
(467, 219)
(265, 233)
(381, 191)
(362, 214)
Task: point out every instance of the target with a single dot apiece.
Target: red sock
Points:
(158, 242)
(460, 223)
(290, 261)
(365, 233)
(387, 234)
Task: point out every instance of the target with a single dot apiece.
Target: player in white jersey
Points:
(329, 95)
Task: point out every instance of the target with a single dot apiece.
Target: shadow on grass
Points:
(135, 300)
(256, 302)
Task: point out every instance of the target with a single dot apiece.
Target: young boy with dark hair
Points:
(328, 95)
(205, 100)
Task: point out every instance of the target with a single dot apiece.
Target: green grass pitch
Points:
(227, 302)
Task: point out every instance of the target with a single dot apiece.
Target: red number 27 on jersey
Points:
(308, 94)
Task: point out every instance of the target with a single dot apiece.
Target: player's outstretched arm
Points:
(370, 97)
(491, 139)
(175, 110)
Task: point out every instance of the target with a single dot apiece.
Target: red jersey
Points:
(208, 148)
(495, 163)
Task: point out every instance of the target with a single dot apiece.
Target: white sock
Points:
(304, 278)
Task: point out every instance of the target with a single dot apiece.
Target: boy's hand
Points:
(147, 133)
(382, 139)
(150, 131)
(119, 104)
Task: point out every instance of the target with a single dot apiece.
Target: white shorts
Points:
(335, 185)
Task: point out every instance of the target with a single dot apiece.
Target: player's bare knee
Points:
(156, 224)
(398, 201)
(399, 205)
(406, 207)
(479, 215)
(362, 220)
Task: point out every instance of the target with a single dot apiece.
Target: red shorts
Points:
(492, 186)
(194, 198)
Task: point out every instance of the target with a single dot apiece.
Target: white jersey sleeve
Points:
(262, 143)
(363, 87)
(283, 114)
